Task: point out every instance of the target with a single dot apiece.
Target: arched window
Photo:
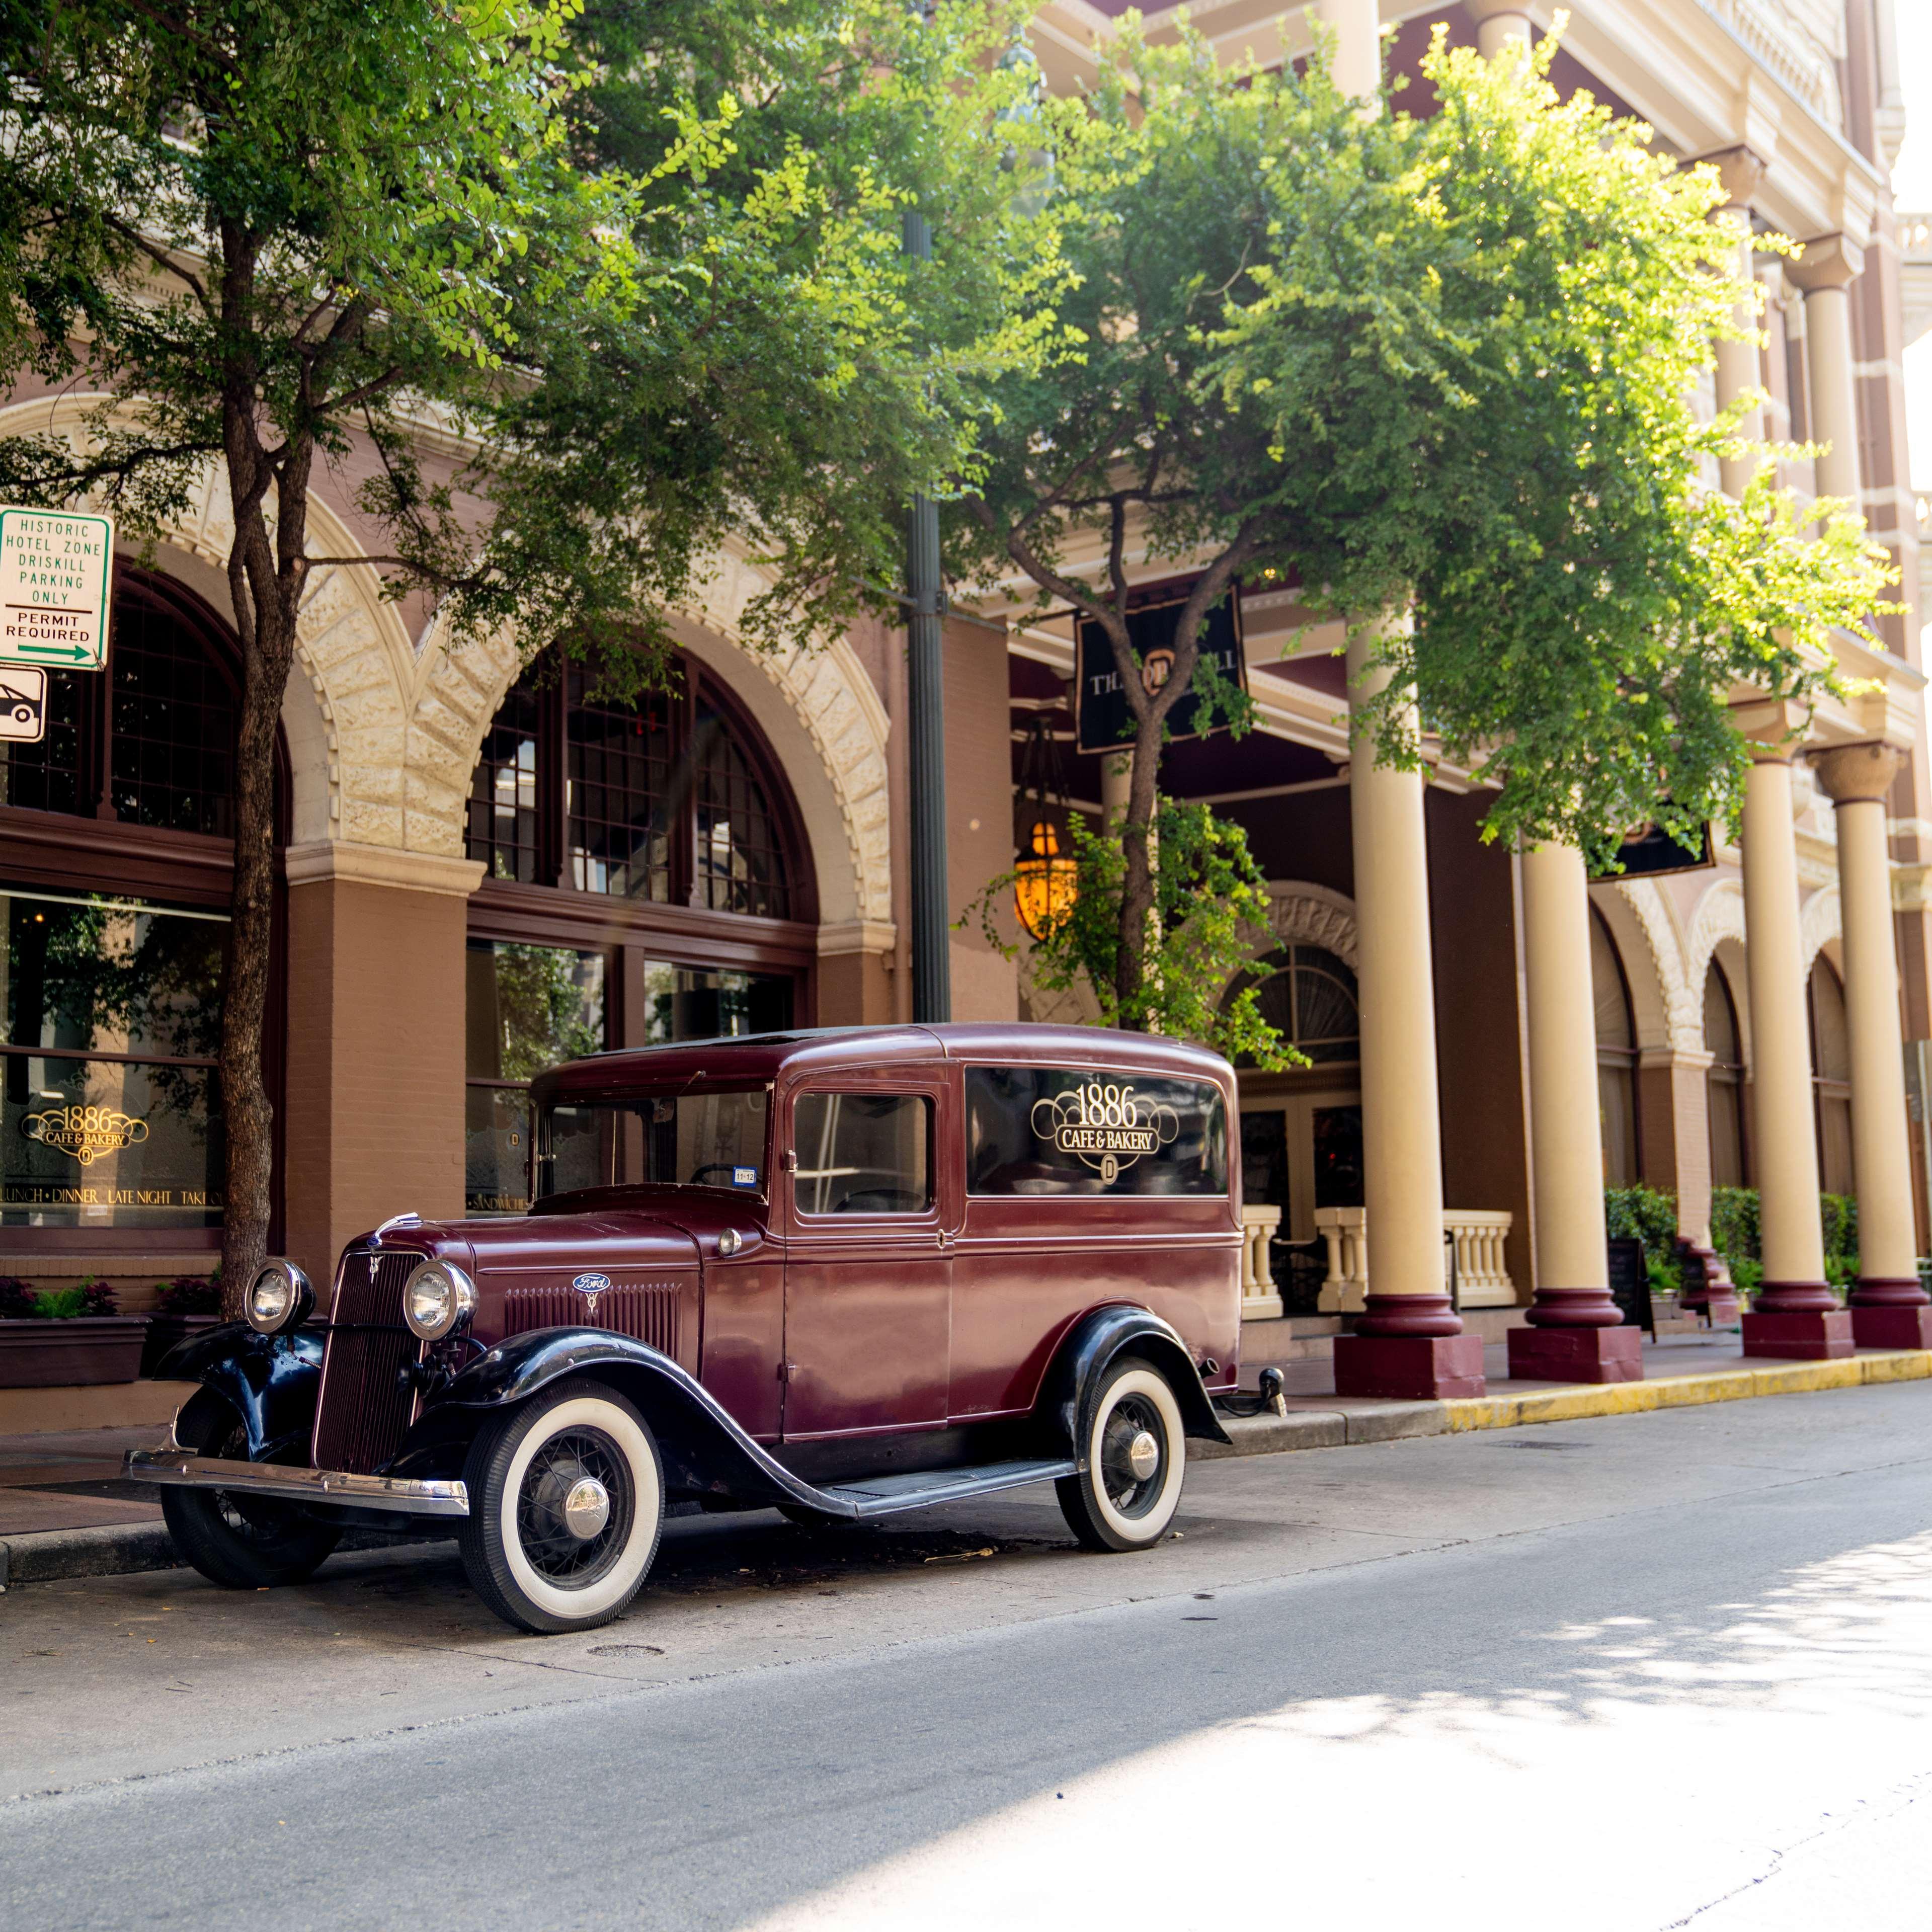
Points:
(151, 742)
(114, 872)
(1616, 1058)
(1830, 1079)
(1308, 995)
(1724, 1084)
(645, 880)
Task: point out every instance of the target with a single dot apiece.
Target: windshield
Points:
(709, 1137)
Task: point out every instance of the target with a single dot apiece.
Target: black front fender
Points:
(1093, 1344)
(271, 1380)
(706, 1453)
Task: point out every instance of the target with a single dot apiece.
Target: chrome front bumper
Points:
(171, 1464)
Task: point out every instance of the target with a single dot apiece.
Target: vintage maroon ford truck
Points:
(842, 1273)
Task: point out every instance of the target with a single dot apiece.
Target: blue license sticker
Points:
(744, 1177)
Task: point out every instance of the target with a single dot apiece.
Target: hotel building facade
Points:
(482, 872)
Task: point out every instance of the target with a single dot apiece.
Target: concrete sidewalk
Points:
(65, 1511)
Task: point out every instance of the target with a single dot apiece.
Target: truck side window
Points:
(1060, 1130)
(863, 1154)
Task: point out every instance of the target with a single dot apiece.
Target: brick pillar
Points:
(375, 1097)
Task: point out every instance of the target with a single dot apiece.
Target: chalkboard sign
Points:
(1630, 1284)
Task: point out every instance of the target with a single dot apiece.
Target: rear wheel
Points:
(242, 1542)
(1135, 1451)
(566, 1503)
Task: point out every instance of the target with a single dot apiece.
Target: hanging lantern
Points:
(1047, 884)
(1046, 878)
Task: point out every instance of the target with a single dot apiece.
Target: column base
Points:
(1804, 1336)
(1576, 1354)
(1909, 1327)
(1413, 1368)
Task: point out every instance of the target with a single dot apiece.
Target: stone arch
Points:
(815, 705)
(1303, 914)
(1820, 924)
(1645, 938)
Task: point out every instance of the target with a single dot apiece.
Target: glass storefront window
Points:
(110, 1115)
(528, 1007)
(697, 1003)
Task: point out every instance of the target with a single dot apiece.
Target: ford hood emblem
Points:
(590, 1286)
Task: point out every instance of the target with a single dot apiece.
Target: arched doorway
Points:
(116, 863)
(1724, 1084)
(1831, 1077)
(1301, 1132)
(1616, 1060)
(645, 879)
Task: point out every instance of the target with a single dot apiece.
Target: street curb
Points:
(123, 1549)
(1575, 1404)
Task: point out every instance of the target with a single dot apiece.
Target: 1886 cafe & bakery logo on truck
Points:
(1106, 1124)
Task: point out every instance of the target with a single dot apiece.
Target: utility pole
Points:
(926, 700)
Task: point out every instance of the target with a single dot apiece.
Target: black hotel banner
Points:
(1105, 719)
(1652, 852)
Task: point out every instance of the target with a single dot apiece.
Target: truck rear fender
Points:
(1090, 1348)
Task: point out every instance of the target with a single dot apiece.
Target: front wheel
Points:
(1135, 1452)
(241, 1542)
(566, 1503)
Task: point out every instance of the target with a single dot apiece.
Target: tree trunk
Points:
(266, 574)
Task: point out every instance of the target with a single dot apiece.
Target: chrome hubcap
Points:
(1144, 1455)
(586, 1509)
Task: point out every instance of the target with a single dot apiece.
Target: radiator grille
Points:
(364, 1409)
(650, 1314)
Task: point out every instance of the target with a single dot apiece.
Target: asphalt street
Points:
(1654, 1671)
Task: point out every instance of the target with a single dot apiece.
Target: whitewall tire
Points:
(566, 1505)
(1135, 1449)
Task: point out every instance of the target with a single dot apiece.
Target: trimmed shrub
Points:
(1646, 1214)
(1734, 1225)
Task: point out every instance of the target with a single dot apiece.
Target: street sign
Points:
(23, 704)
(54, 571)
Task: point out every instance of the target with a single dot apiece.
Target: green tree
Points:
(1439, 364)
(648, 304)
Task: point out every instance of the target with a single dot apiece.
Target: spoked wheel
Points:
(1136, 1456)
(566, 1502)
(242, 1542)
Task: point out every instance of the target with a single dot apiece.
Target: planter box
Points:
(165, 1331)
(35, 1354)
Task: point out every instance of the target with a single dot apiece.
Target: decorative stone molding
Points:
(1820, 922)
(1681, 993)
(856, 935)
(382, 865)
(1719, 916)
(1301, 914)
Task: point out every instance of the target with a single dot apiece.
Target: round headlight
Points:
(436, 1298)
(280, 1298)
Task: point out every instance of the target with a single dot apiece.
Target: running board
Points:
(888, 1495)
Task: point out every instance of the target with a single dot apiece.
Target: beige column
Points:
(1825, 272)
(1116, 777)
(1795, 1313)
(1738, 371)
(1499, 24)
(1408, 1339)
(1576, 1332)
(1889, 1309)
(1357, 26)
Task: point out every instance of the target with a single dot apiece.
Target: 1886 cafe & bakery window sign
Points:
(111, 1113)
